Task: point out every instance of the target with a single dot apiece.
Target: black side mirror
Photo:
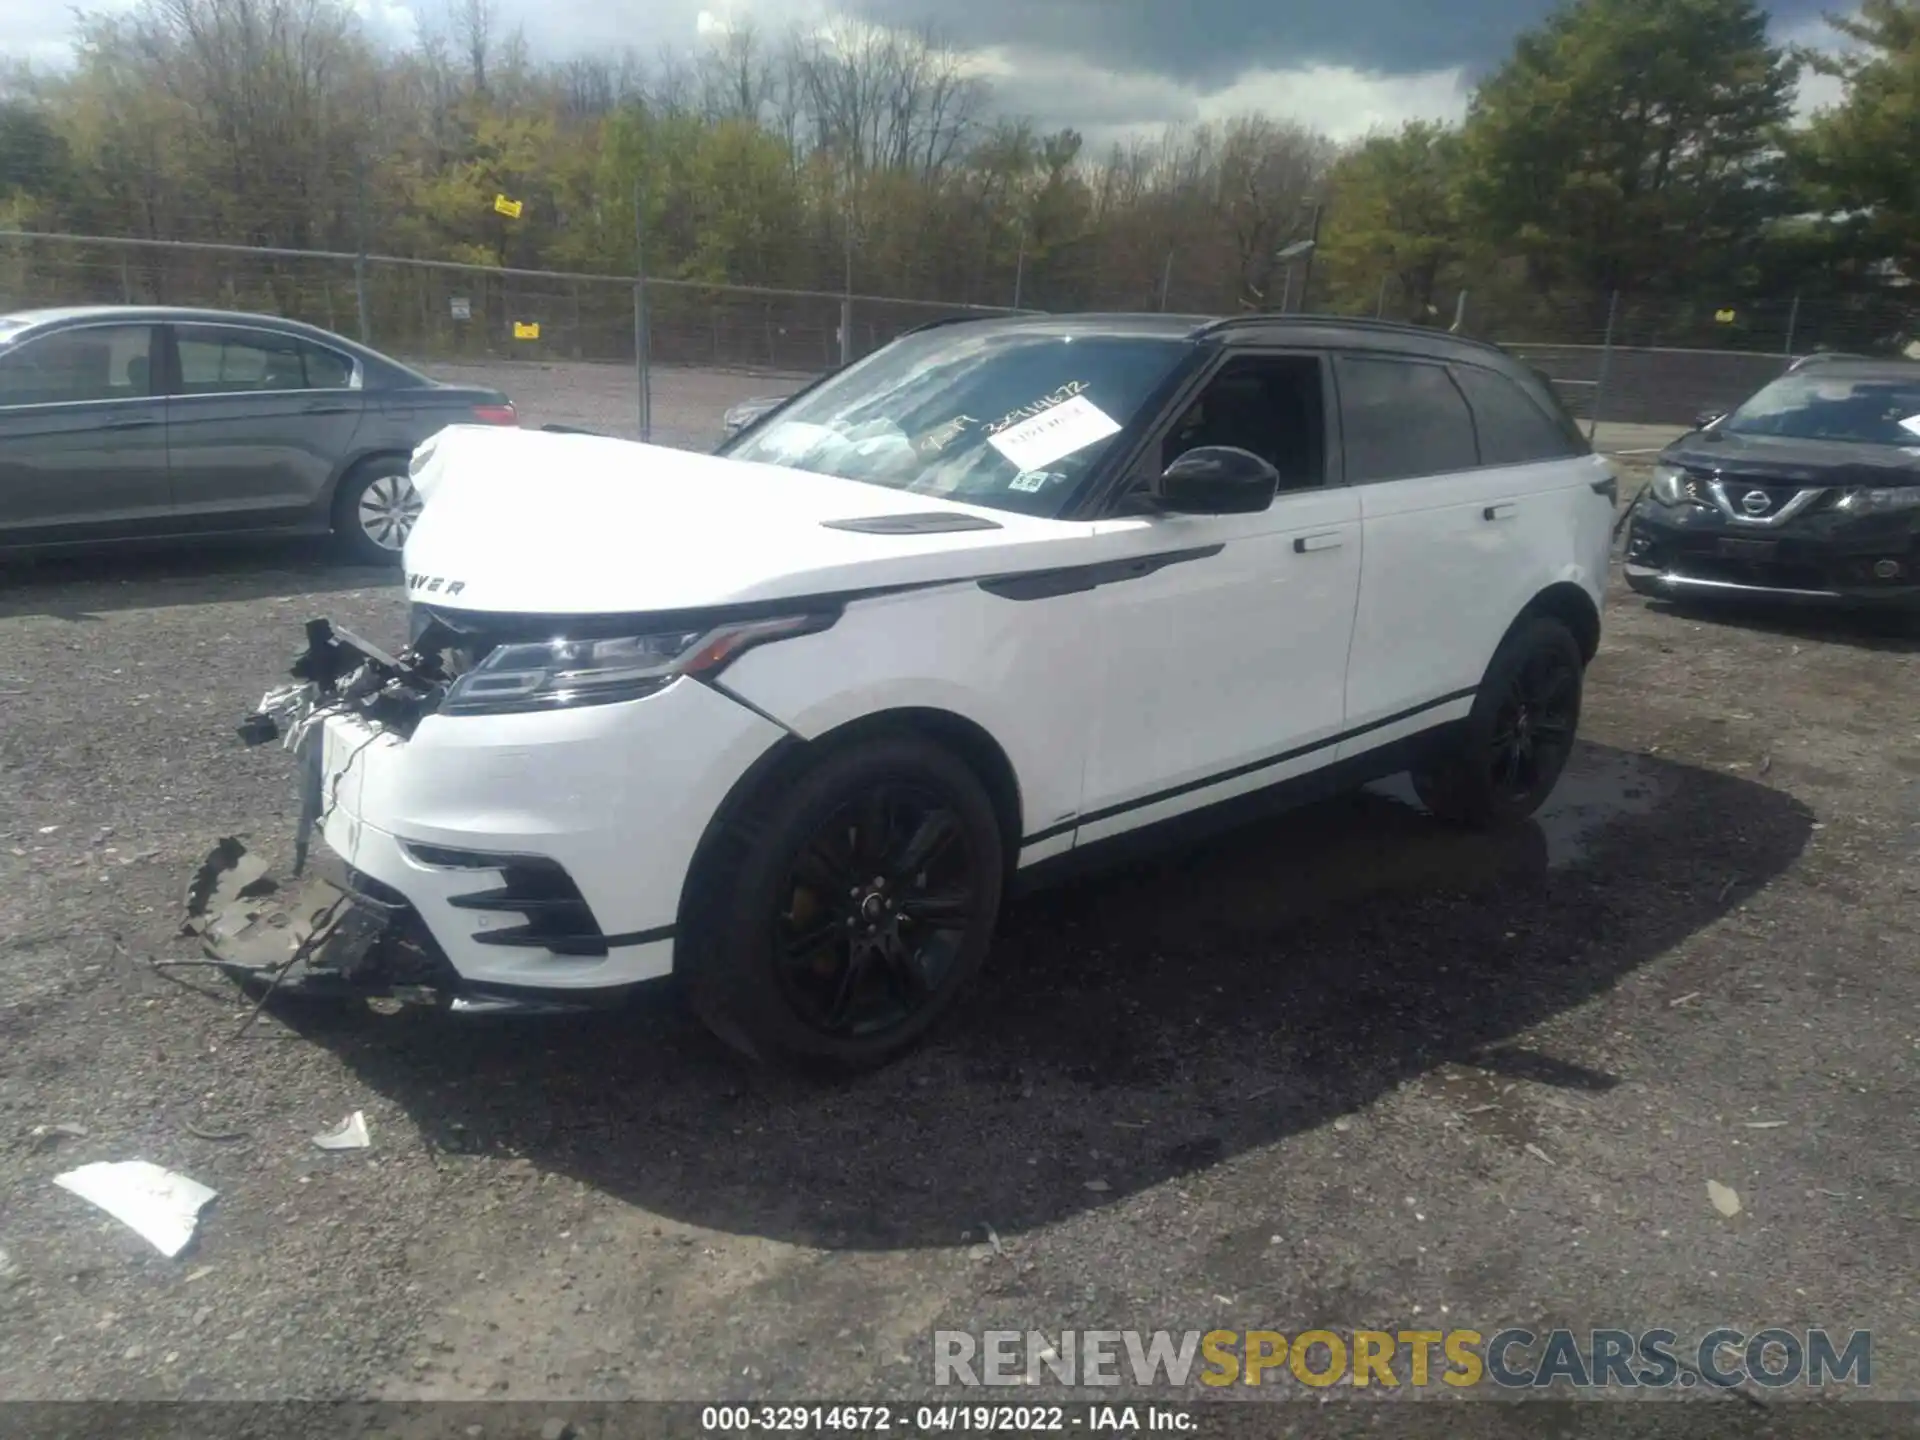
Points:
(1708, 417)
(1217, 480)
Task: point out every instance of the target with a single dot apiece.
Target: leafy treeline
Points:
(1645, 147)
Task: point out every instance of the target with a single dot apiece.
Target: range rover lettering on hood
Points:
(435, 585)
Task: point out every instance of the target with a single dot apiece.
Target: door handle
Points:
(129, 424)
(327, 410)
(1327, 540)
(1500, 512)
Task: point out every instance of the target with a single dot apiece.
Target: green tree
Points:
(1394, 231)
(1856, 160)
(1632, 144)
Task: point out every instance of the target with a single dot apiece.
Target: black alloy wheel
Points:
(847, 907)
(1533, 728)
(879, 899)
(1514, 743)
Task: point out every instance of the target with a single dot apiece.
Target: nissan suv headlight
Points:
(1674, 486)
(561, 673)
(1865, 500)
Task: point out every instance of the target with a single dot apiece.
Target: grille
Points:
(1778, 495)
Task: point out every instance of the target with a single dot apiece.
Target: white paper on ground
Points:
(1911, 424)
(158, 1204)
(1054, 433)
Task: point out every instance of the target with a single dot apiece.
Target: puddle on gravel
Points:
(1597, 788)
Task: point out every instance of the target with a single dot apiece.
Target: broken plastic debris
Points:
(159, 1205)
(225, 879)
(350, 1134)
(1724, 1198)
(47, 1134)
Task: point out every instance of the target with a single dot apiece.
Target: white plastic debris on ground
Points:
(350, 1134)
(159, 1205)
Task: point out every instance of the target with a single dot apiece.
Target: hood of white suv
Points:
(537, 522)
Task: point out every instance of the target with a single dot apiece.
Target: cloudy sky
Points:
(1108, 67)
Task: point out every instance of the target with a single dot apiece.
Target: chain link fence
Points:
(441, 313)
(1615, 359)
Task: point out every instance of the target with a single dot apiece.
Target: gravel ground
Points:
(1346, 1069)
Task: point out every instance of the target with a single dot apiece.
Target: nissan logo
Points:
(1756, 502)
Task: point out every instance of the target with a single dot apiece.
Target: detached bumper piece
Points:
(336, 933)
(330, 932)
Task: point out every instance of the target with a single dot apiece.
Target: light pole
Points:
(1286, 255)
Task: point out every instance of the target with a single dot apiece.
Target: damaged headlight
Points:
(560, 673)
(1674, 486)
(1870, 501)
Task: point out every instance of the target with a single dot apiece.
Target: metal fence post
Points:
(1380, 305)
(1606, 365)
(846, 299)
(1166, 280)
(360, 249)
(642, 360)
(1793, 324)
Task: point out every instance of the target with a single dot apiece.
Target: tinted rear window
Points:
(1401, 419)
(1513, 428)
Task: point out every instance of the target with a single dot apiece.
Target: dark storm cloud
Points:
(1210, 42)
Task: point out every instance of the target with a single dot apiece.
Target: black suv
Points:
(1809, 491)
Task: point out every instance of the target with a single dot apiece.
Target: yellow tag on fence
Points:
(1725, 317)
(509, 208)
(526, 330)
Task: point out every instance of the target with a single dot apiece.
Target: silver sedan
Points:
(122, 423)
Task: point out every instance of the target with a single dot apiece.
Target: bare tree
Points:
(879, 98)
(472, 24)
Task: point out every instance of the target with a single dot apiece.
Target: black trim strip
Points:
(929, 522)
(1073, 579)
(523, 937)
(1249, 768)
(503, 626)
(641, 937)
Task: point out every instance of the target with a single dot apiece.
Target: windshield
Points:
(1866, 410)
(1012, 420)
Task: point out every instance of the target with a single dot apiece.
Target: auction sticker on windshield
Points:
(1054, 433)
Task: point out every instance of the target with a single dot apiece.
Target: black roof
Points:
(1859, 367)
(1324, 331)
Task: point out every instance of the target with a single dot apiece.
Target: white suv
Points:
(789, 721)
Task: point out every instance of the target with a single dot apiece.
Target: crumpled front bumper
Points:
(513, 855)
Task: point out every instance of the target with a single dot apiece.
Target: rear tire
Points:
(375, 509)
(847, 908)
(1517, 738)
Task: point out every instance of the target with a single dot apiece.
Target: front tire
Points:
(849, 909)
(376, 509)
(1517, 738)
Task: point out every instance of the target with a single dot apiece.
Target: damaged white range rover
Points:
(787, 722)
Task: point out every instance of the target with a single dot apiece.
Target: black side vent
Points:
(932, 522)
(557, 915)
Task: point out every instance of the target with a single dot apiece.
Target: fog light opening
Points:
(1886, 569)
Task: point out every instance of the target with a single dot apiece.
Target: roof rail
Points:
(1348, 322)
